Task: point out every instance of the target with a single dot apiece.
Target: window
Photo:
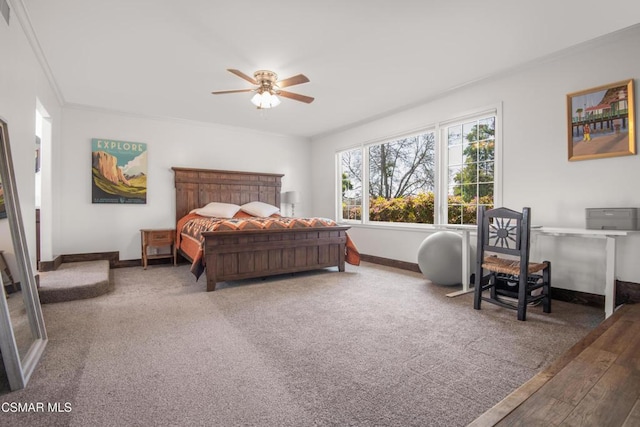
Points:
(350, 174)
(397, 179)
(470, 163)
(402, 179)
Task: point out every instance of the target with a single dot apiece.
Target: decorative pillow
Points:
(217, 210)
(259, 209)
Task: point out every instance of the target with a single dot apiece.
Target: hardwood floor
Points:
(596, 383)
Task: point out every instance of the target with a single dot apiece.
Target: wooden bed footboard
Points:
(234, 255)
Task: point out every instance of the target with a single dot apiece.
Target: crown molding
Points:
(22, 15)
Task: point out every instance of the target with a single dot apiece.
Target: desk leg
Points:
(610, 277)
(466, 254)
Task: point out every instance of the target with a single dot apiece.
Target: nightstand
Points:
(157, 238)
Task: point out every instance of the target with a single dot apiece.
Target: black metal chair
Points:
(510, 282)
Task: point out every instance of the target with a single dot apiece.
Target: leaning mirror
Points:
(22, 333)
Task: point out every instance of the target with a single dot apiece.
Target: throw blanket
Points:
(190, 229)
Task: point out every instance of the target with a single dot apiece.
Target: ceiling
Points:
(365, 58)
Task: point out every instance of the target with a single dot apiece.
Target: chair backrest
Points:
(504, 231)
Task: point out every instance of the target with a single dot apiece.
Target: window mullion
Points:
(442, 170)
(365, 186)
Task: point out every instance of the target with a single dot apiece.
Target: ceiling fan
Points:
(269, 88)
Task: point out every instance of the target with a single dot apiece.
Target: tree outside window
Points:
(471, 158)
(351, 183)
(402, 179)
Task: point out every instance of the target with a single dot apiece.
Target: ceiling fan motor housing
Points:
(266, 79)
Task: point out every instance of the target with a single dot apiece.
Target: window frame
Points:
(338, 187)
(441, 169)
(443, 188)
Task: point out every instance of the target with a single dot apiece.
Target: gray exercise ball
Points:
(440, 258)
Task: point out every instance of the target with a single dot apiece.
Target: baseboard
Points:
(50, 265)
(627, 292)
(112, 257)
(130, 263)
(388, 262)
(138, 262)
(577, 297)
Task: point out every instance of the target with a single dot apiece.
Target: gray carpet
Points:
(374, 346)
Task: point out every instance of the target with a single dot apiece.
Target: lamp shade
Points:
(257, 99)
(265, 99)
(291, 197)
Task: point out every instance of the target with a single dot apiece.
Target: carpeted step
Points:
(75, 280)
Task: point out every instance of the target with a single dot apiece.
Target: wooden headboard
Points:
(197, 187)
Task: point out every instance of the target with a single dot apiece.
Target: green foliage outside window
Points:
(478, 167)
(419, 209)
(346, 183)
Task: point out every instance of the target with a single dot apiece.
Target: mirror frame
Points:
(18, 370)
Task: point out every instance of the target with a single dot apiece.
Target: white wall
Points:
(21, 83)
(87, 227)
(536, 171)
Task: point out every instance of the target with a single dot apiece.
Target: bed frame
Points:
(234, 255)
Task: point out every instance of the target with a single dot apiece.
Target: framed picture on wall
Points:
(601, 121)
(119, 171)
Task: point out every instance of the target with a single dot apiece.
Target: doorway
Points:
(43, 187)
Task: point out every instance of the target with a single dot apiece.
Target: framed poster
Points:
(601, 121)
(119, 171)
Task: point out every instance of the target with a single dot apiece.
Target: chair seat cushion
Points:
(508, 266)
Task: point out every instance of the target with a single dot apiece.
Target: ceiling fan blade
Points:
(295, 80)
(220, 92)
(295, 96)
(243, 76)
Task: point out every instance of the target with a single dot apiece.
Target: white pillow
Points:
(259, 209)
(217, 210)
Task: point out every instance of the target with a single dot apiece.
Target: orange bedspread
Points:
(190, 228)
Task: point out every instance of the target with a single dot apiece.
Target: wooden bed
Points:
(243, 254)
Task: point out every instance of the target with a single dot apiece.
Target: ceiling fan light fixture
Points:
(257, 99)
(275, 101)
(265, 100)
(268, 87)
